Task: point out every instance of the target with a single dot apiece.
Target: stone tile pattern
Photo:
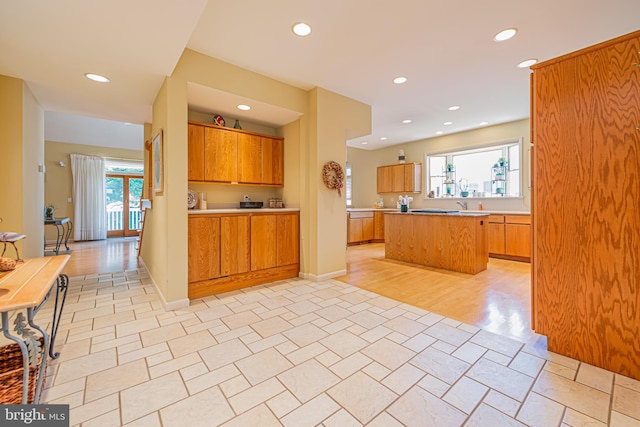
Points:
(299, 353)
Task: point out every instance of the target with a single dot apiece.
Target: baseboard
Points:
(168, 306)
(323, 277)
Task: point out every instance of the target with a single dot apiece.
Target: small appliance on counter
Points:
(276, 203)
(248, 204)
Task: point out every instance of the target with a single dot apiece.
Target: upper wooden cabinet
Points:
(230, 156)
(400, 178)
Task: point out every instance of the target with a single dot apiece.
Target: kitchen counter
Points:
(453, 241)
(495, 212)
(240, 210)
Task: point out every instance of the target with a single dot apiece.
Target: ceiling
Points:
(356, 48)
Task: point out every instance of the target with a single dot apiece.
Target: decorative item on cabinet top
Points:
(192, 199)
(218, 120)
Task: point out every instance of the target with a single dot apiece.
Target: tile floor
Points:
(299, 353)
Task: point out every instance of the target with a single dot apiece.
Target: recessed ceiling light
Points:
(454, 108)
(406, 121)
(364, 143)
(301, 29)
(527, 63)
(483, 123)
(505, 34)
(447, 123)
(243, 107)
(399, 80)
(97, 78)
(383, 138)
(439, 132)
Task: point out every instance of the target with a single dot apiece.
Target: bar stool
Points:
(12, 238)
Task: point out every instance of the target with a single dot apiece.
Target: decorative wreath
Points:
(333, 176)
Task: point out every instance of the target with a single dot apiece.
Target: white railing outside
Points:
(115, 218)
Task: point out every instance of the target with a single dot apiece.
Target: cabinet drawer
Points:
(367, 214)
(497, 219)
(517, 219)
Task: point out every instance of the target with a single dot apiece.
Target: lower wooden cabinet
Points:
(510, 237)
(233, 251)
(378, 226)
(360, 227)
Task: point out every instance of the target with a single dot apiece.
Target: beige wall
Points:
(58, 181)
(319, 135)
(365, 162)
(22, 149)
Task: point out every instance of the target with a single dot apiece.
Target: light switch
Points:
(69, 200)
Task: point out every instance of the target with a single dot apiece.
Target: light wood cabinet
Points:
(249, 159)
(585, 122)
(220, 155)
(360, 227)
(378, 226)
(204, 248)
(272, 161)
(263, 238)
(195, 153)
(235, 245)
(510, 237)
(400, 178)
(231, 156)
(233, 251)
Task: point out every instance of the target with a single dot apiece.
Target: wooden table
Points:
(29, 287)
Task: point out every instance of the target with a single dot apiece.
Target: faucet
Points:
(463, 204)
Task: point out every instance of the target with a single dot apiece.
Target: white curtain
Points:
(89, 213)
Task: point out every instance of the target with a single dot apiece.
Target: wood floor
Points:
(498, 299)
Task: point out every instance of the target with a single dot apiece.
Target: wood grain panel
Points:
(354, 230)
(586, 216)
(518, 240)
(263, 241)
(378, 226)
(235, 245)
(221, 155)
(204, 248)
(496, 238)
(249, 159)
(195, 153)
(367, 229)
(272, 161)
(288, 239)
(517, 219)
(398, 177)
(457, 243)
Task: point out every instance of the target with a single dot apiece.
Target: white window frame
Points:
(449, 153)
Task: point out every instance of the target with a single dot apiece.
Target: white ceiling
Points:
(357, 47)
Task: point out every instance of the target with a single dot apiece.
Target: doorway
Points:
(123, 194)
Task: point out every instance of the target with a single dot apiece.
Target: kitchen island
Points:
(450, 240)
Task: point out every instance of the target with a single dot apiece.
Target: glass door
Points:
(123, 204)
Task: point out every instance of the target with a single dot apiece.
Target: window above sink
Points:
(492, 170)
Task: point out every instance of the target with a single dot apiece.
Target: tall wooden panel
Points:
(288, 239)
(378, 225)
(235, 245)
(221, 155)
(195, 153)
(263, 242)
(249, 159)
(204, 248)
(586, 253)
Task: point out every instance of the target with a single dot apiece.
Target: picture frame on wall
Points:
(158, 163)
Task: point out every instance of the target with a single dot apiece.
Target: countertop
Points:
(456, 214)
(467, 211)
(239, 210)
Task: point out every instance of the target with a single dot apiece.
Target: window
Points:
(489, 171)
(347, 184)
